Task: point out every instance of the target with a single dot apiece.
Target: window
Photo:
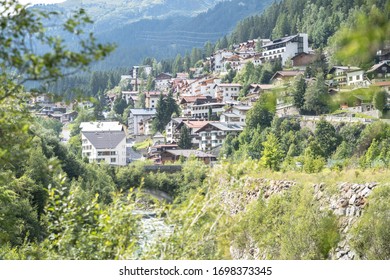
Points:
(350, 79)
(357, 77)
(113, 159)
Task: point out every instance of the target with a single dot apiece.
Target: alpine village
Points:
(271, 142)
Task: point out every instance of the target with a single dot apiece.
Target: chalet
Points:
(135, 116)
(346, 75)
(192, 126)
(103, 142)
(176, 155)
(233, 61)
(202, 111)
(282, 77)
(163, 81)
(154, 152)
(239, 110)
(213, 134)
(303, 60)
(227, 92)
(379, 71)
(260, 88)
(285, 48)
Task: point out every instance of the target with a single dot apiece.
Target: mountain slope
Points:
(159, 28)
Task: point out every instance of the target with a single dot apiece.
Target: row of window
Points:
(274, 52)
(107, 153)
(214, 142)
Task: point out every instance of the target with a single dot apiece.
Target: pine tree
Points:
(185, 138)
(315, 95)
(299, 92)
(160, 117)
(272, 155)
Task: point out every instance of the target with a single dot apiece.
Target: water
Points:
(152, 230)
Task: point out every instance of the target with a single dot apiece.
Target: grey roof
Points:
(100, 126)
(105, 139)
(280, 41)
(143, 112)
(223, 126)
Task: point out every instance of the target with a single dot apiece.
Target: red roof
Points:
(382, 84)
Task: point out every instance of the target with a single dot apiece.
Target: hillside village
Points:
(211, 107)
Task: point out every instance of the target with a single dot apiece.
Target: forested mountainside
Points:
(318, 18)
(159, 29)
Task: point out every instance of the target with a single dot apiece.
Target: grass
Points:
(143, 145)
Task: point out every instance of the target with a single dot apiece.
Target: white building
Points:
(143, 70)
(356, 78)
(213, 134)
(135, 116)
(202, 111)
(163, 81)
(227, 92)
(103, 142)
(219, 59)
(348, 75)
(235, 115)
(285, 48)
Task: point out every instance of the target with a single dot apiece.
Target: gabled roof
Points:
(164, 76)
(287, 73)
(100, 126)
(105, 139)
(222, 126)
(382, 84)
(227, 85)
(280, 41)
(192, 99)
(344, 68)
(143, 112)
(377, 66)
(193, 124)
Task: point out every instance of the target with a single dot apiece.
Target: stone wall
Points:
(347, 202)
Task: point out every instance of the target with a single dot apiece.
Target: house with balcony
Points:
(103, 142)
(163, 81)
(173, 155)
(213, 134)
(202, 111)
(346, 76)
(379, 71)
(227, 92)
(192, 127)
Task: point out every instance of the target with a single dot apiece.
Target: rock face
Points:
(236, 200)
(347, 202)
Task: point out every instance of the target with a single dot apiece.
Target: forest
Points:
(269, 197)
